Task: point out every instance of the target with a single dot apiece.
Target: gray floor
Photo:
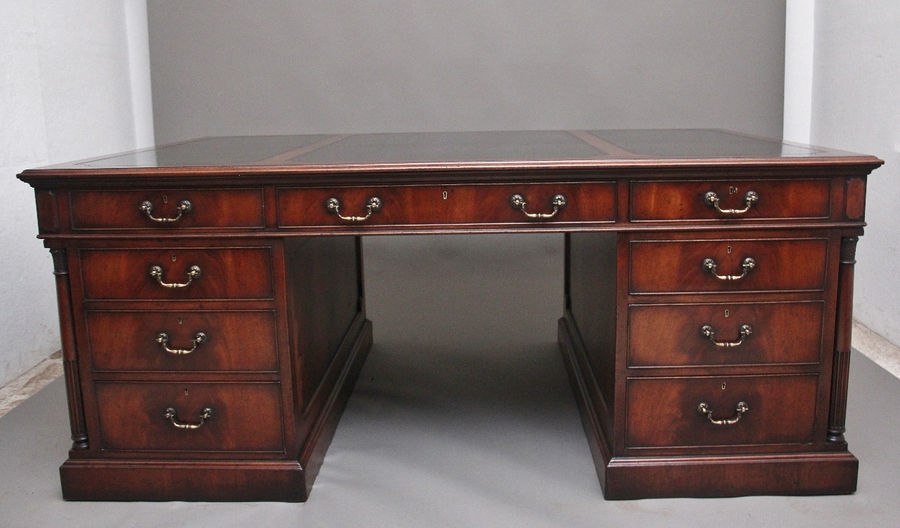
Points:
(462, 417)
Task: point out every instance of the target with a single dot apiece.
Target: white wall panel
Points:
(65, 93)
(856, 106)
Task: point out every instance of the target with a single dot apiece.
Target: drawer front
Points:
(428, 205)
(243, 416)
(194, 273)
(240, 208)
(709, 266)
(183, 341)
(676, 201)
(675, 335)
(664, 412)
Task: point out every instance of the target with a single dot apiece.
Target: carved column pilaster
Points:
(840, 375)
(70, 358)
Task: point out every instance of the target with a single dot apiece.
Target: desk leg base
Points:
(622, 478)
(730, 476)
(129, 480)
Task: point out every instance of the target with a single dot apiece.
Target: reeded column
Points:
(840, 375)
(67, 337)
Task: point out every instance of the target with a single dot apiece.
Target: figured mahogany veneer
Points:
(125, 273)
(243, 417)
(677, 201)
(210, 208)
(676, 266)
(213, 322)
(236, 340)
(662, 412)
(671, 335)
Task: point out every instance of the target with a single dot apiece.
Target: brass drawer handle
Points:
(739, 411)
(373, 205)
(518, 202)
(708, 332)
(184, 207)
(172, 416)
(712, 200)
(193, 273)
(747, 265)
(162, 339)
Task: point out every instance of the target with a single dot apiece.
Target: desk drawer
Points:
(190, 273)
(193, 341)
(769, 199)
(243, 416)
(239, 208)
(664, 412)
(674, 335)
(463, 204)
(728, 265)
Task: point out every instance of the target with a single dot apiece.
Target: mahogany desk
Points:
(213, 320)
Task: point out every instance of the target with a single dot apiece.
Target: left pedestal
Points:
(206, 369)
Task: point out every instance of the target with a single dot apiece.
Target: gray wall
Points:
(282, 66)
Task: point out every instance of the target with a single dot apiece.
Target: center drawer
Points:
(180, 273)
(170, 416)
(182, 341)
(447, 204)
(666, 412)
